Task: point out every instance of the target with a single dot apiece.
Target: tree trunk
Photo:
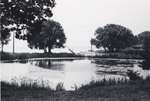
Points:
(49, 45)
(110, 49)
(2, 48)
(49, 63)
(105, 49)
(45, 50)
(49, 50)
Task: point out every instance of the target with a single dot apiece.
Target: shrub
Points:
(60, 87)
(133, 75)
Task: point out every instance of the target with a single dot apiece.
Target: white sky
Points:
(80, 18)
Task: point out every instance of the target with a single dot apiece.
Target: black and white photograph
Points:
(75, 50)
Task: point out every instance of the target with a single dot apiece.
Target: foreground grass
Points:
(110, 90)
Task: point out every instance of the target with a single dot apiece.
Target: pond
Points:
(69, 71)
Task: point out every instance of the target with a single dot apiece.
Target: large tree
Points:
(142, 36)
(51, 36)
(4, 30)
(4, 36)
(23, 15)
(114, 37)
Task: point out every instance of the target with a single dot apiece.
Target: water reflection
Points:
(23, 61)
(69, 71)
(107, 63)
(115, 66)
(44, 64)
(48, 64)
(112, 62)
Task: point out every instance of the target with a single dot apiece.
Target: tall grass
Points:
(24, 85)
(115, 82)
(60, 87)
(105, 90)
(104, 82)
(27, 84)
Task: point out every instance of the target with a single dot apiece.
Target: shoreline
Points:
(25, 56)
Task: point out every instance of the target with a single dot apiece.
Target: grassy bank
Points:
(10, 56)
(119, 55)
(123, 90)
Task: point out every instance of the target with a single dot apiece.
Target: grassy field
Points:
(123, 90)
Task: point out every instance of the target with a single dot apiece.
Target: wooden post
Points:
(91, 47)
(13, 43)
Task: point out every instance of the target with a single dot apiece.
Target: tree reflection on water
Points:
(50, 64)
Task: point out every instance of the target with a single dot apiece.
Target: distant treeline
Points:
(119, 41)
(115, 38)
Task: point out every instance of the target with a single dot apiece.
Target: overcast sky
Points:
(80, 18)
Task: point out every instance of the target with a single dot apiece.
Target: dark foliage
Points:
(51, 35)
(9, 56)
(133, 75)
(114, 37)
(24, 16)
(4, 36)
(142, 36)
(146, 53)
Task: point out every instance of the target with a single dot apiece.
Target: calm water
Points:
(69, 71)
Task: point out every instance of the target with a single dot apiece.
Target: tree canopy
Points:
(146, 53)
(114, 37)
(142, 36)
(51, 36)
(4, 36)
(23, 14)
(144, 39)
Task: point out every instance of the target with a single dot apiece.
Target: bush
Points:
(133, 75)
(60, 87)
(6, 56)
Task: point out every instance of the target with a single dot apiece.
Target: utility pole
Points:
(91, 45)
(13, 42)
